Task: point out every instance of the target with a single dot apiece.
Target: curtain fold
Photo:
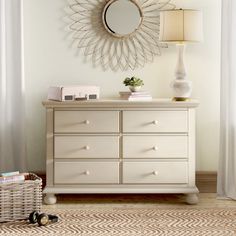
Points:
(226, 183)
(12, 103)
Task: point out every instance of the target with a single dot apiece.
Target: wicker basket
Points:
(18, 200)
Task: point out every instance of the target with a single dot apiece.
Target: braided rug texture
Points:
(126, 221)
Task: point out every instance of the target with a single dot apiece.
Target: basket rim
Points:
(37, 180)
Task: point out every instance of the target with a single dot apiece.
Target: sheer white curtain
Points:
(227, 164)
(12, 114)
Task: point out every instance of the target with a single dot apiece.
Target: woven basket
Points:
(18, 200)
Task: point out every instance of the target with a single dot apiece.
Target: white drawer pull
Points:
(155, 172)
(87, 172)
(155, 122)
(86, 147)
(155, 148)
(87, 122)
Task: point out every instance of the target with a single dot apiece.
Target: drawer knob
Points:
(155, 148)
(155, 122)
(87, 172)
(86, 147)
(155, 172)
(87, 122)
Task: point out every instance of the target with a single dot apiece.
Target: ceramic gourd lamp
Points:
(181, 27)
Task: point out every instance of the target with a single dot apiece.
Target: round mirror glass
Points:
(121, 17)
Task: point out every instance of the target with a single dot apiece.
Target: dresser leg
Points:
(50, 199)
(192, 198)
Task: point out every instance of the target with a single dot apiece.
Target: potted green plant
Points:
(134, 83)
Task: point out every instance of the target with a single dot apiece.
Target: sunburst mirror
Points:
(117, 34)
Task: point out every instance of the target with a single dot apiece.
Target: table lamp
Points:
(180, 27)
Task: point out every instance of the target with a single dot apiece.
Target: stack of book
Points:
(12, 177)
(136, 96)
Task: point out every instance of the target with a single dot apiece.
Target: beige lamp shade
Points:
(181, 26)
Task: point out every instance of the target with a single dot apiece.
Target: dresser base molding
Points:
(191, 192)
(205, 180)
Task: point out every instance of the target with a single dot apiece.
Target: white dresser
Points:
(117, 146)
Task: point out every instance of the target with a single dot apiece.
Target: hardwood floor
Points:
(106, 200)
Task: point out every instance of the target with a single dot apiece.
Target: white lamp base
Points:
(182, 88)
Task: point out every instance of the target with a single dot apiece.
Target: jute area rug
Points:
(132, 221)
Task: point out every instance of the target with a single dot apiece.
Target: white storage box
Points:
(72, 93)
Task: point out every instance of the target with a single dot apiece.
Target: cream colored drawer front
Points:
(86, 121)
(155, 121)
(86, 172)
(155, 172)
(155, 146)
(86, 147)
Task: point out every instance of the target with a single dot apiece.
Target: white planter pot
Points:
(135, 88)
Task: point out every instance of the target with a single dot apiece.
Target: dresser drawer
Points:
(155, 146)
(86, 146)
(155, 172)
(86, 121)
(155, 121)
(86, 172)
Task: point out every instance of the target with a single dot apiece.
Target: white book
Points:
(12, 179)
(139, 93)
(10, 173)
(144, 98)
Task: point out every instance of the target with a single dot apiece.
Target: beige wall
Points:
(49, 60)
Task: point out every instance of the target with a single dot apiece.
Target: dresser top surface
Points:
(113, 103)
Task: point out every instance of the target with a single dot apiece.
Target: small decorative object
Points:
(134, 83)
(117, 34)
(180, 27)
(73, 93)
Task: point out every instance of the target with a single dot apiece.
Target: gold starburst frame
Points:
(109, 51)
